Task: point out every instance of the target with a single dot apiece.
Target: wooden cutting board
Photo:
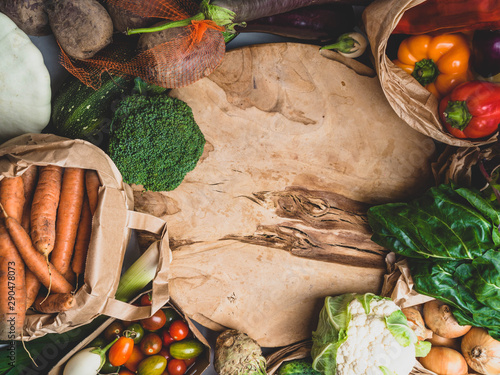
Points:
(273, 218)
(291, 137)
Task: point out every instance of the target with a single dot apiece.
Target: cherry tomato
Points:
(135, 358)
(165, 353)
(124, 371)
(171, 315)
(176, 367)
(145, 300)
(151, 344)
(113, 331)
(121, 351)
(166, 338)
(178, 330)
(152, 365)
(136, 332)
(154, 322)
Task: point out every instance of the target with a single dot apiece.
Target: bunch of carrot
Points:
(45, 226)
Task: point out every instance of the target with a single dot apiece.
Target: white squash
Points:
(25, 92)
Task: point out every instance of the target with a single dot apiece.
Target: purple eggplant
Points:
(230, 13)
(315, 23)
(485, 57)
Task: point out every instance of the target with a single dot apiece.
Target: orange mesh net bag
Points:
(184, 54)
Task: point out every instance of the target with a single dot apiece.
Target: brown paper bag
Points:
(113, 222)
(299, 350)
(411, 101)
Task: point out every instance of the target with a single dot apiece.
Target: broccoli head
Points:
(155, 141)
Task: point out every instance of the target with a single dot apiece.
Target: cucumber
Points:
(186, 349)
(297, 367)
(80, 112)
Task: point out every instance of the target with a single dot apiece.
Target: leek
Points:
(138, 275)
(47, 350)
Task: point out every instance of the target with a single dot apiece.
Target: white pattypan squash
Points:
(25, 92)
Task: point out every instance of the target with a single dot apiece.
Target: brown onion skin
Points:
(437, 340)
(439, 318)
(481, 351)
(445, 361)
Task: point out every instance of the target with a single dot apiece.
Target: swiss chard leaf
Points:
(482, 278)
(443, 223)
(438, 279)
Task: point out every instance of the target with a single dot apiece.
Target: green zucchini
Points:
(186, 349)
(297, 367)
(81, 112)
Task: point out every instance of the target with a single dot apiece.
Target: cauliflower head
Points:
(363, 334)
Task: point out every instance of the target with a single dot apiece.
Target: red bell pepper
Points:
(471, 110)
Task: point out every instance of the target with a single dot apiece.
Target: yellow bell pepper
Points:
(439, 63)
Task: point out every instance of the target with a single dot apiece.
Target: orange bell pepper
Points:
(439, 63)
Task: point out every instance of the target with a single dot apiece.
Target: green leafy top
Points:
(445, 223)
(451, 238)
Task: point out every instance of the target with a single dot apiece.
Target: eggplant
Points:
(315, 23)
(230, 13)
(485, 56)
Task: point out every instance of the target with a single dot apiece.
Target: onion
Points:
(416, 323)
(445, 361)
(437, 340)
(438, 317)
(481, 351)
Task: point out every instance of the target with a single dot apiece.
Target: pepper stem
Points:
(425, 72)
(457, 114)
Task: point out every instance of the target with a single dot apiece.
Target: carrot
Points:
(32, 288)
(82, 240)
(12, 196)
(50, 277)
(68, 217)
(29, 181)
(92, 184)
(12, 288)
(54, 303)
(44, 208)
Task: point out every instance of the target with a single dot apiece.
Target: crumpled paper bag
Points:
(112, 224)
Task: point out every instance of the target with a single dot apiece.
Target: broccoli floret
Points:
(155, 141)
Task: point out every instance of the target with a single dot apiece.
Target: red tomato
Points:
(114, 330)
(154, 322)
(121, 351)
(151, 344)
(136, 357)
(124, 371)
(166, 338)
(178, 330)
(165, 353)
(176, 367)
(145, 300)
